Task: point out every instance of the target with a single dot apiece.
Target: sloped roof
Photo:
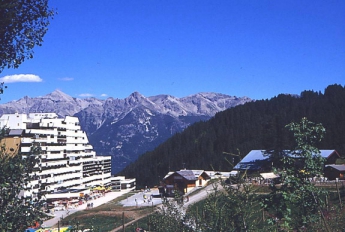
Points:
(327, 153)
(248, 162)
(169, 174)
(254, 155)
(187, 174)
(338, 167)
(197, 173)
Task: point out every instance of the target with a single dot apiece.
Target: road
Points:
(195, 195)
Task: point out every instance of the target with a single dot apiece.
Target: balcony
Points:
(56, 163)
(25, 149)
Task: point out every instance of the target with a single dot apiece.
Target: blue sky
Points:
(258, 49)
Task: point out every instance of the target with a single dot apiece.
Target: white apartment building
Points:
(67, 160)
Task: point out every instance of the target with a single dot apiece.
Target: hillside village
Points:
(70, 174)
(68, 167)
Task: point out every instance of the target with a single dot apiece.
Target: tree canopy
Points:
(22, 27)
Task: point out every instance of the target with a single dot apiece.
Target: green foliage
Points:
(95, 223)
(2, 87)
(226, 208)
(232, 208)
(296, 202)
(22, 27)
(16, 212)
(171, 217)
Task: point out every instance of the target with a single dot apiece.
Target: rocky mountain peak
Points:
(134, 98)
(58, 95)
(126, 128)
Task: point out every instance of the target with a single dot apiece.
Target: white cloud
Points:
(85, 95)
(21, 78)
(66, 79)
(104, 95)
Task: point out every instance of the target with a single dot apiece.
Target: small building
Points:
(185, 180)
(268, 177)
(121, 183)
(335, 171)
(201, 177)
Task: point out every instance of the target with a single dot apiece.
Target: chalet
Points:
(333, 172)
(185, 180)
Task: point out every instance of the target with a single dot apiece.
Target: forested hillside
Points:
(254, 125)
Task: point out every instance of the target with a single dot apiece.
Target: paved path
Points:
(201, 194)
(139, 200)
(193, 198)
(96, 202)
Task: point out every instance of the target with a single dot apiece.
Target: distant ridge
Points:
(126, 128)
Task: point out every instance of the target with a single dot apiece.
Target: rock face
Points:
(57, 102)
(127, 128)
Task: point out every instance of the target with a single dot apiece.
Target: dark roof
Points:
(338, 167)
(202, 173)
(187, 174)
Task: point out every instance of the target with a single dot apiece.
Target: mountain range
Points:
(127, 128)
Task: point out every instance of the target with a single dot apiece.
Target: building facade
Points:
(67, 162)
(184, 181)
